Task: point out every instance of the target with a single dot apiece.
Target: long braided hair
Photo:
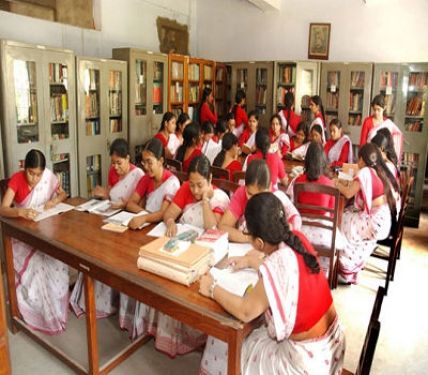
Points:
(265, 218)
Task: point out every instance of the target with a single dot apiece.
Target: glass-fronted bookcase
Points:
(39, 109)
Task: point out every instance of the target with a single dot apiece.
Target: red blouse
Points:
(186, 163)
(18, 183)
(113, 177)
(293, 145)
(274, 163)
(245, 136)
(367, 126)
(315, 199)
(207, 115)
(146, 185)
(162, 138)
(240, 116)
(232, 167)
(344, 153)
(293, 121)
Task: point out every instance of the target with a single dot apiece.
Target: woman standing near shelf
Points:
(154, 193)
(191, 147)
(206, 107)
(247, 141)
(41, 281)
(338, 148)
(227, 158)
(166, 131)
(123, 178)
(377, 121)
(374, 210)
(289, 119)
(238, 110)
(280, 141)
(301, 334)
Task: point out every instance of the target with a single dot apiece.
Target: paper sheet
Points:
(59, 208)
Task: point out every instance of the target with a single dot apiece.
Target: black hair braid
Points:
(219, 159)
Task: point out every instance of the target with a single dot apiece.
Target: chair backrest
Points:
(240, 175)
(369, 347)
(182, 176)
(377, 304)
(3, 187)
(218, 172)
(174, 165)
(226, 185)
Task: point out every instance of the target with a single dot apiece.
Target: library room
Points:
(177, 177)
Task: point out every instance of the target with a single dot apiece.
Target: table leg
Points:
(91, 325)
(10, 274)
(236, 339)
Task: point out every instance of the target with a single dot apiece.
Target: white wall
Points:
(124, 23)
(381, 30)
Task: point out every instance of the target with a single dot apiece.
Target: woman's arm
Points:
(171, 214)
(135, 203)
(227, 224)
(7, 210)
(350, 190)
(153, 217)
(61, 196)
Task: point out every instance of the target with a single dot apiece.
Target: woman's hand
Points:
(208, 192)
(238, 263)
(253, 259)
(171, 228)
(27, 213)
(136, 222)
(50, 204)
(205, 283)
(99, 191)
(118, 204)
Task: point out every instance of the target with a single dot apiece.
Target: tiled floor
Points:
(402, 346)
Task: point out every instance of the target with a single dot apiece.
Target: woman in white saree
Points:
(302, 334)
(123, 178)
(41, 281)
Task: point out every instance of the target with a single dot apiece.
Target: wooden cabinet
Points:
(299, 77)
(256, 79)
(177, 83)
(147, 93)
(102, 117)
(39, 109)
(222, 89)
(345, 93)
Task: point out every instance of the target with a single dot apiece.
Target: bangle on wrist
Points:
(212, 287)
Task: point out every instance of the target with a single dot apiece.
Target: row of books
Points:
(64, 180)
(261, 76)
(141, 71)
(92, 127)
(177, 70)
(414, 126)
(140, 93)
(176, 93)
(356, 102)
(93, 163)
(60, 131)
(388, 79)
(193, 72)
(157, 70)
(287, 74)
(59, 107)
(92, 108)
(115, 125)
(208, 73)
(410, 158)
(92, 79)
(280, 94)
(115, 80)
(354, 120)
(57, 73)
(261, 95)
(332, 100)
(414, 106)
(357, 79)
(92, 180)
(194, 93)
(418, 80)
(390, 104)
(115, 103)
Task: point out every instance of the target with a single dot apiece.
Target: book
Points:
(239, 249)
(211, 149)
(58, 209)
(217, 241)
(117, 228)
(99, 207)
(235, 282)
(124, 217)
(160, 229)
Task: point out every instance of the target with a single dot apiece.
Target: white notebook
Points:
(99, 207)
(160, 229)
(235, 282)
(124, 217)
(59, 208)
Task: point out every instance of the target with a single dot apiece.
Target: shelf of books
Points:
(221, 87)
(39, 108)
(177, 78)
(194, 86)
(239, 80)
(300, 78)
(102, 116)
(147, 83)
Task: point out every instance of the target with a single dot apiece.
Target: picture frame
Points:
(319, 41)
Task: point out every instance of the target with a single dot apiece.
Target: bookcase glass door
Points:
(286, 82)
(208, 75)
(93, 172)
(91, 88)
(261, 90)
(193, 78)
(59, 107)
(158, 83)
(331, 106)
(27, 119)
(417, 95)
(115, 101)
(356, 98)
(388, 87)
(220, 89)
(306, 86)
(140, 87)
(242, 82)
(177, 87)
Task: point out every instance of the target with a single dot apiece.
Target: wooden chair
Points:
(218, 172)
(313, 219)
(237, 176)
(228, 186)
(377, 304)
(174, 165)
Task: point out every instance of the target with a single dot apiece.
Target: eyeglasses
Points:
(147, 162)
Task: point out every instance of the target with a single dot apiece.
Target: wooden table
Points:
(76, 238)
(4, 347)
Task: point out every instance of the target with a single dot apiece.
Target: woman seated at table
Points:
(227, 158)
(166, 134)
(247, 141)
(201, 204)
(154, 193)
(182, 121)
(209, 147)
(374, 210)
(257, 180)
(339, 147)
(299, 142)
(191, 147)
(41, 281)
(123, 178)
(383, 139)
(290, 120)
(316, 134)
(279, 139)
(301, 334)
(275, 164)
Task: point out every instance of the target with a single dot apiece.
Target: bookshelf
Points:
(256, 79)
(177, 83)
(102, 117)
(345, 92)
(222, 88)
(299, 77)
(38, 109)
(147, 83)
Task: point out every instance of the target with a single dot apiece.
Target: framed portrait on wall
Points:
(319, 41)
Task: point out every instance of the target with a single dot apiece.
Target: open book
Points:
(99, 207)
(235, 282)
(59, 208)
(124, 217)
(160, 229)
